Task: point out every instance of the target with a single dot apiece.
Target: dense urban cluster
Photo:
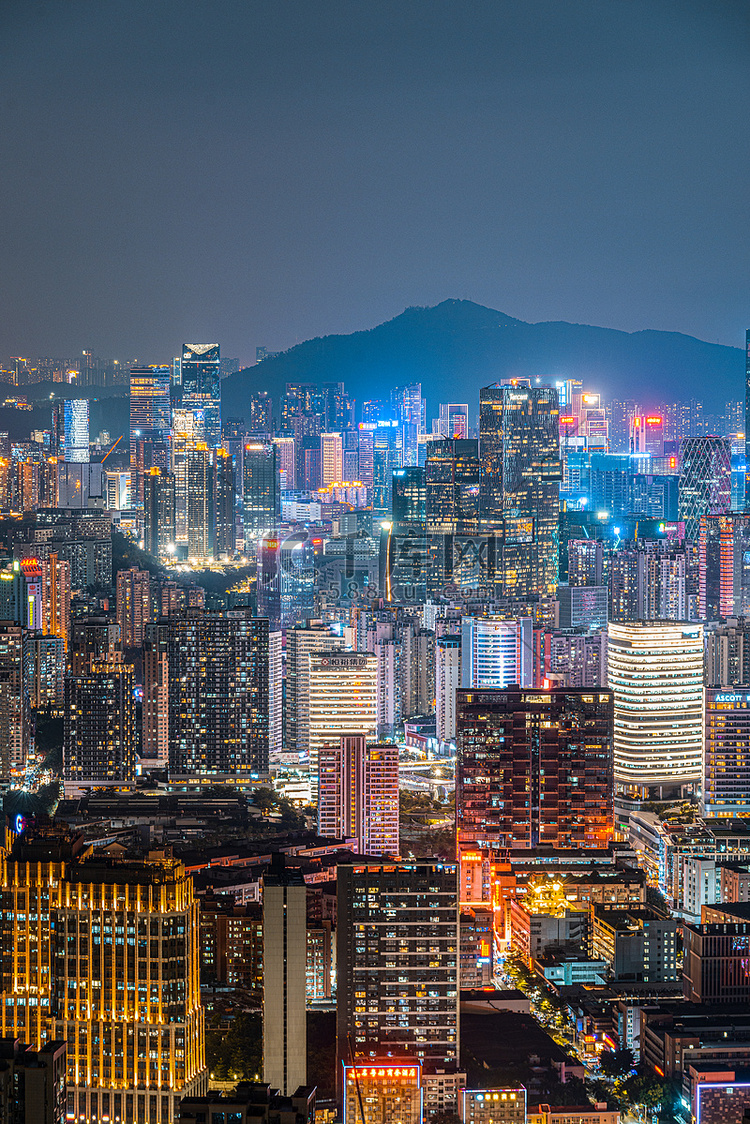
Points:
(369, 767)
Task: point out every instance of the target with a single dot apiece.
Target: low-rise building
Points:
(251, 1103)
(443, 1084)
(33, 1087)
(715, 963)
(570, 1114)
(383, 1091)
(494, 1106)
(638, 944)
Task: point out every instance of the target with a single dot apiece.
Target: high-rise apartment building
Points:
(99, 745)
(397, 962)
(104, 955)
(33, 1083)
(284, 982)
(217, 693)
(133, 605)
(358, 794)
(447, 682)
(521, 472)
(337, 695)
(728, 653)
(724, 566)
(201, 389)
(534, 768)
(92, 640)
(655, 671)
(15, 720)
(586, 562)
(573, 658)
(651, 579)
(47, 677)
(705, 481)
(496, 652)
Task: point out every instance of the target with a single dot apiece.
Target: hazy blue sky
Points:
(262, 171)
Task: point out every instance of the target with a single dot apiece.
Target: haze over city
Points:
(261, 173)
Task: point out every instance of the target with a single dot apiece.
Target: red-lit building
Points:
(534, 768)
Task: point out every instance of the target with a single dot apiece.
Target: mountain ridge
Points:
(456, 347)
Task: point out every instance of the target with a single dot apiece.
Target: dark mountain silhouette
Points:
(457, 347)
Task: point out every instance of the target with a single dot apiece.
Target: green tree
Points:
(616, 1063)
(267, 799)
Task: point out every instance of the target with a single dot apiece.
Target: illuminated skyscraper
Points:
(301, 641)
(71, 426)
(454, 419)
(519, 450)
(15, 720)
(331, 458)
(223, 488)
(447, 682)
(457, 555)
(261, 491)
(184, 430)
(408, 409)
(200, 508)
(201, 388)
(104, 956)
(726, 760)
(705, 482)
(407, 542)
(724, 561)
(534, 768)
(496, 652)
(150, 422)
(159, 513)
(337, 696)
(655, 671)
(358, 794)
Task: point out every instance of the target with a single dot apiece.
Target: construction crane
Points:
(117, 442)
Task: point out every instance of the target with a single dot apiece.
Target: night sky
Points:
(263, 171)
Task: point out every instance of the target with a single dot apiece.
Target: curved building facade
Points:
(655, 671)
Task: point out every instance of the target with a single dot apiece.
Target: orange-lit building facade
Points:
(384, 1092)
(104, 954)
(535, 768)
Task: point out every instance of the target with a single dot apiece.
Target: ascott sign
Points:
(731, 698)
